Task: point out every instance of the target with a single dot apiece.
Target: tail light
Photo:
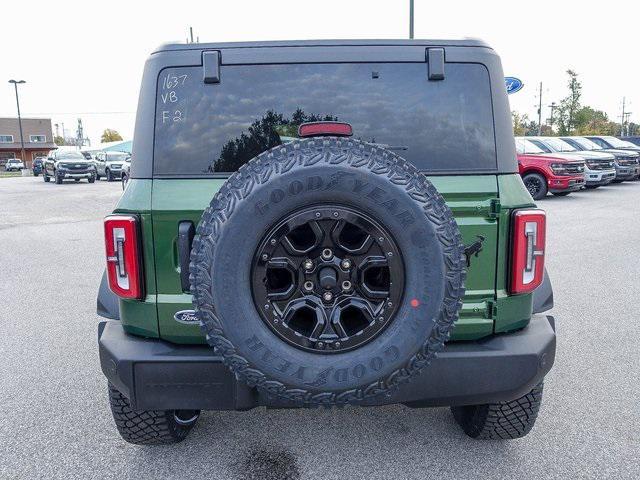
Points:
(123, 250)
(528, 232)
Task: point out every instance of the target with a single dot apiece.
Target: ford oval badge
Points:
(513, 84)
(187, 317)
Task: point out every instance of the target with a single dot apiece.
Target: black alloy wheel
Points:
(536, 185)
(327, 279)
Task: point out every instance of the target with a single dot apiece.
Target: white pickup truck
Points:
(14, 164)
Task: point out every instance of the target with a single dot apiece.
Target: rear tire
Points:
(502, 420)
(58, 178)
(91, 179)
(150, 427)
(109, 176)
(45, 177)
(536, 184)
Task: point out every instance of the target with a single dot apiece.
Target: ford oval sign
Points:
(513, 84)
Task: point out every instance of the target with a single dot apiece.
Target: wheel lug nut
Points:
(327, 296)
(273, 241)
(307, 264)
(265, 256)
(327, 254)
(308, 286)
(346, 264)
(320, 345)
(336, 345)
(380, 319)
(346, 285)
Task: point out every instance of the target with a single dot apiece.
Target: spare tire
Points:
(327, 271)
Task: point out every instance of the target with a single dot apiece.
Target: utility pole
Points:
(411, 19)
(540, 112)
(63, 137)
(622, 118)
(22, 152)
(191, 33)
(57, 130)
(552, 107)
(626, 124)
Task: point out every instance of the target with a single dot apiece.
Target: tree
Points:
(110, 135)
(263, 134)
(520, 121)
(589, 121)
(58, 140)
(569, 106)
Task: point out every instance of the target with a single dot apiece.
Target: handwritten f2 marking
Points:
(172, 117)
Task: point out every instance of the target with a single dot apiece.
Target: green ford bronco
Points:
(324, 223)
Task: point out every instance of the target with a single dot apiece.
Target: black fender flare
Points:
(107, 304)
(543, 295)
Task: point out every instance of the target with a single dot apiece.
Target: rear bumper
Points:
(155, 374)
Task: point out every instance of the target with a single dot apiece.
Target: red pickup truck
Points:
(547, 173)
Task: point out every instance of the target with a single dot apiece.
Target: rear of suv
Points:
(324, 223)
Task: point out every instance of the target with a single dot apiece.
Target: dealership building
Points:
(37, 135)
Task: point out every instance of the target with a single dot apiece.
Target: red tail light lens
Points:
(528, 235)
(311, 129)
(123, 255)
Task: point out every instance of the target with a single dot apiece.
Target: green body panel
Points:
(471, 199)
(481, 204)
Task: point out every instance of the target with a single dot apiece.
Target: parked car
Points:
(599, 168)
(64, 165)
(109, 164)
(625, 159)
(36, 166)
(327, 270)
(608, 141)
(14, 165)
(542, 173)
(635, 140)
(125, 171)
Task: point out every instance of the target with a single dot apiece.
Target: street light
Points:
(24, 159)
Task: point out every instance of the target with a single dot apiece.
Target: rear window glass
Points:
(203, 129)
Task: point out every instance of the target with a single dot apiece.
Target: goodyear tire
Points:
(324, 174)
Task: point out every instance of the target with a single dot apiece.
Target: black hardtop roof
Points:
(466, 42)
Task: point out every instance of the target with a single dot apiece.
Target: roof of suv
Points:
(466, 42)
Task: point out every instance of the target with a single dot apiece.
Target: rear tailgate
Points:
(472, 199)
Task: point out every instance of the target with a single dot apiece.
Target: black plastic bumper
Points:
(155, 374)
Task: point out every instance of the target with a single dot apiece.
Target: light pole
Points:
(410, 18)
(24, 160)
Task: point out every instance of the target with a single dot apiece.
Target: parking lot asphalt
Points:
(55, 420)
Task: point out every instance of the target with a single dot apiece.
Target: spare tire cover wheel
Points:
(327, 271)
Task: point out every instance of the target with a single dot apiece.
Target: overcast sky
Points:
(85, 59)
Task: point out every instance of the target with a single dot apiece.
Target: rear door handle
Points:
(186, 231)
